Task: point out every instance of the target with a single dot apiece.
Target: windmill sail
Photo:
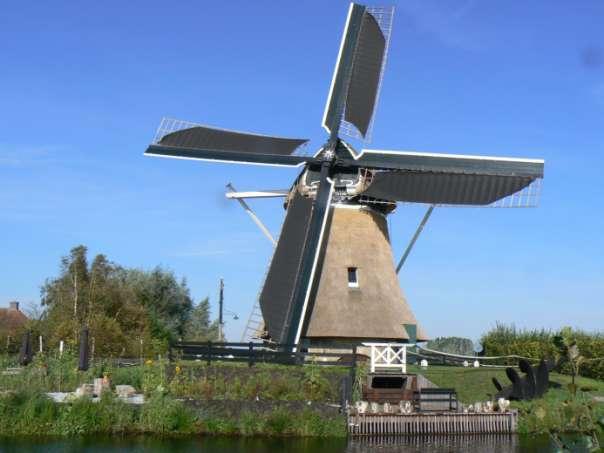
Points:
(444, 188)
(307, 275)
(236, 157)
(356, 81)
(277, 293)
(448, 178)
(193, 141)
(452, 163)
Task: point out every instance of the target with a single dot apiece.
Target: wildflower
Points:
(149, 362)
(177, 369)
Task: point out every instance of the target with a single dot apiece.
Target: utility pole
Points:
(220, 309)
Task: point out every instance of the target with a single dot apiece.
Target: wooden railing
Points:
(252, 353)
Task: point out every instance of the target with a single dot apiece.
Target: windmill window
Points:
(353, 277)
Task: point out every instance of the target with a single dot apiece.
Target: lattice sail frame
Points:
(384, 16)
(169, 125)
(526, 198)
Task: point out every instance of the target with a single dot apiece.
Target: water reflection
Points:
(148, 444)
(495, 443)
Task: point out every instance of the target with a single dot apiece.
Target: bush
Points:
(163, 415)
(25, 413)
(555, 416)
(34, 414)
(452, 345)
(508, 340)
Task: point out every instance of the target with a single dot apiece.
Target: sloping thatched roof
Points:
(11, 320)
(376, 309)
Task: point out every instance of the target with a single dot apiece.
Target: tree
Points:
(123, 308)
(452, 345)
(65, 297)
(568, 351)
(167, 302)
(77, 266)
(198, 326)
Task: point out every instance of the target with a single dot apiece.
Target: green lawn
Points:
(474, 384)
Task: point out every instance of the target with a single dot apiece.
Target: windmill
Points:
(332, 277)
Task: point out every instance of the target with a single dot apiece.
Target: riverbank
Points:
(182, 398)
(23, 414)
(231, 399)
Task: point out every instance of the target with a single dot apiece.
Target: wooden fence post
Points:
(299, 355)
(250, 361)
(353, 371)
(141, 351)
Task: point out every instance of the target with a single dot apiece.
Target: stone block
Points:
(125, 391)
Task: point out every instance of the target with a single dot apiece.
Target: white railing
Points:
(389, 355)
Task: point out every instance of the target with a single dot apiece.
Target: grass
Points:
(474, 384)
(280, 422)
(24, 413)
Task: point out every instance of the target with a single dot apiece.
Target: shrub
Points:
(26, 413)
(508, 340)
(162, 414)
(553, 417)
(279, 422)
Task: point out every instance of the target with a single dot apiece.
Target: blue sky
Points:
(84, 86)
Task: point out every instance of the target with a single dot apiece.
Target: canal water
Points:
(148, 444)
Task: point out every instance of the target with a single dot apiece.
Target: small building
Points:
(12, 320)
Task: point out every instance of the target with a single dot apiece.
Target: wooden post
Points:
(353, 371)
(61, 346)
(250, 361)
(84, 351)
(40, 342)
(209, 359)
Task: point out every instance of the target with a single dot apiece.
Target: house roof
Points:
(11, 319)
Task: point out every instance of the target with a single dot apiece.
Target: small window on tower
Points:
(353, 278)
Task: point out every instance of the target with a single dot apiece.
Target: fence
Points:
(252, 353)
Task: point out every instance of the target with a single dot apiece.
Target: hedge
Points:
(507, 340)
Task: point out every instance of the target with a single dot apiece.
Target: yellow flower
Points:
(177, 369)
(149, 362)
